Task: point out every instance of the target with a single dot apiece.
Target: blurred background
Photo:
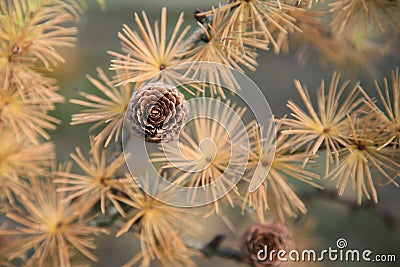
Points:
(275, 74)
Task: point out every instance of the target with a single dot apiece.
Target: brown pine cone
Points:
(274, 235)
(157, 111)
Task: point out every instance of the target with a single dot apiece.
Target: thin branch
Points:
(386, 215)
(214, 248)
(210, 249)
(108, 219)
